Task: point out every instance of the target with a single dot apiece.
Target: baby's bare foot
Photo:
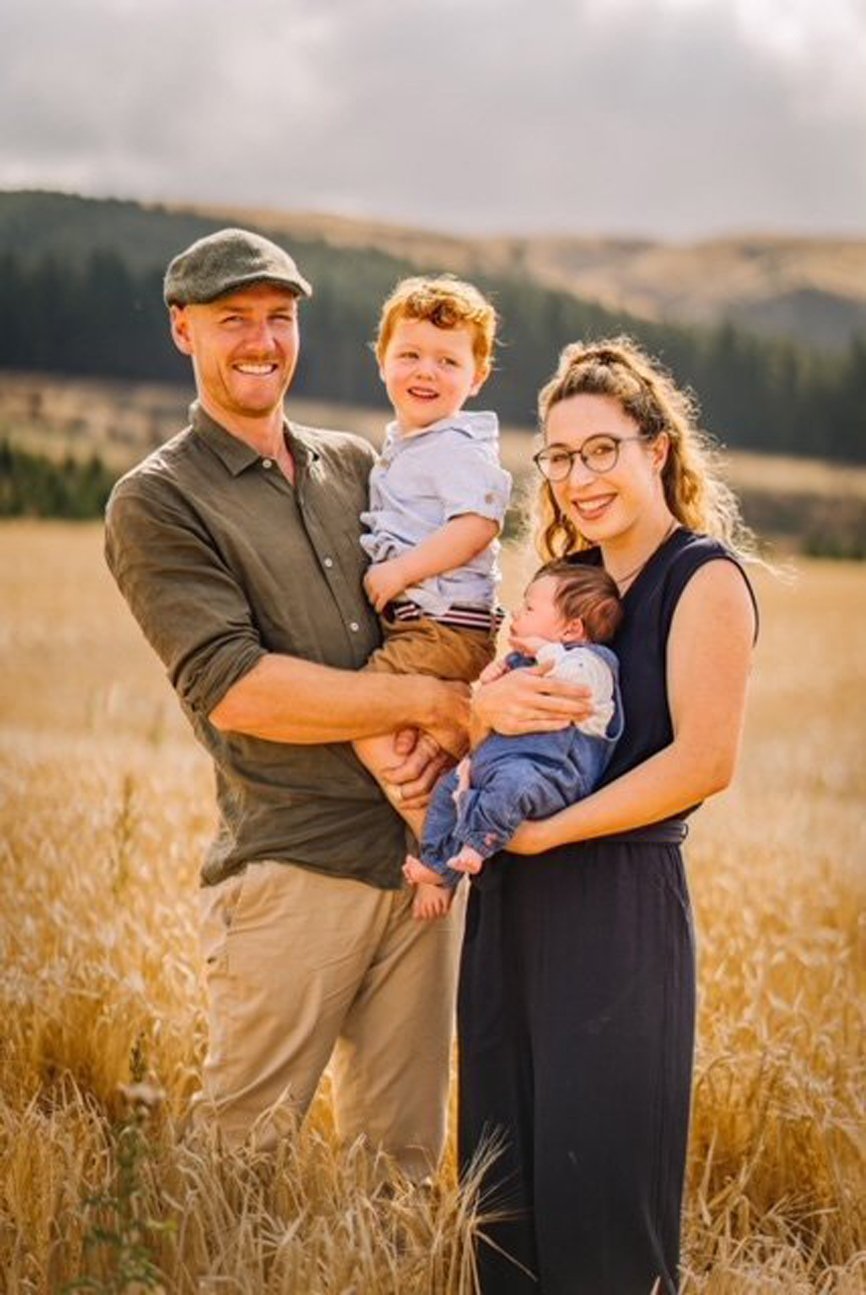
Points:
(419, 874)
(468, 860)
(431, 901)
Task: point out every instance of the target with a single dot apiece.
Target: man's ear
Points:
(179, 321)
(482, 373)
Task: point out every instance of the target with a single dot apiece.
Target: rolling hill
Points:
(80, 294)
(811, 290)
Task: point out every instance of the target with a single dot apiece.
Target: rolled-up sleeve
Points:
(191, 607)
(470, 480)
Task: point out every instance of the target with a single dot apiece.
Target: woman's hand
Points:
(527, 701)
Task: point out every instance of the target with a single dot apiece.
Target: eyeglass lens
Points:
(598, 453)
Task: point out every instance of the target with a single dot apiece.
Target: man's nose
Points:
(261, 333)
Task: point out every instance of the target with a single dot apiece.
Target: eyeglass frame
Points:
(571, 455)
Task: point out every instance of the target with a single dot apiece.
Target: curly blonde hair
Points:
(694, 490)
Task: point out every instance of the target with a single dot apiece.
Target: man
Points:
(236, 546)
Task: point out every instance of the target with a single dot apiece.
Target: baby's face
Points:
(538, 616)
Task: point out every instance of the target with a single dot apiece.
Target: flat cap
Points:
(225, 261)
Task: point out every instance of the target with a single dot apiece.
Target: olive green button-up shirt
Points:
(222, 560)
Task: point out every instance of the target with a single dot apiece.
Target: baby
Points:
(568, 611)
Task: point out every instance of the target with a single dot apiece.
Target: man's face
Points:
(244, 348)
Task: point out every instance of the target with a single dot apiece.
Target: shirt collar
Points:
(236, 454)
(478, 424)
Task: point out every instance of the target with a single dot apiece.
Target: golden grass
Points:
(105, 804)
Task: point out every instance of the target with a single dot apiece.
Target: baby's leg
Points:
(377, 756)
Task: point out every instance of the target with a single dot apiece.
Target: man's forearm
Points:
(287, 699)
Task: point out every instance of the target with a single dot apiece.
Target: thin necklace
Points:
(635, 571)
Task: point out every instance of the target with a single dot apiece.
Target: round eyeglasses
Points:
(598, 454)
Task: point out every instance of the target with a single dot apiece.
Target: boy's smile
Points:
(429, 372)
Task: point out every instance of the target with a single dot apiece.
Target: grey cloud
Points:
(459, 114)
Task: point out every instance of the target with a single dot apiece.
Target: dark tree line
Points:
(32, 485)
(97, 315)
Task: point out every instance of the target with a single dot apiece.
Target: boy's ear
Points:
(482, 373)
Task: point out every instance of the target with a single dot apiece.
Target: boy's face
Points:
(539, 617)
(429, 372)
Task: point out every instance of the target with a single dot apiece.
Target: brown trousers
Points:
(428, 647)
(303, 968)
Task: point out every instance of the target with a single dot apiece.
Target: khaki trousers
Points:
(303, 968)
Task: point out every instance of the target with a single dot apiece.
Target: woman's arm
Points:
(708, 661)
(453, 545)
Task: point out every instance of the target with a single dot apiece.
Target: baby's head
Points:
(434, 347)
(569, 603)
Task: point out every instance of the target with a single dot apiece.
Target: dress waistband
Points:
(672, 831)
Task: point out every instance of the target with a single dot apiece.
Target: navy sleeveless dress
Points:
(576, 1016)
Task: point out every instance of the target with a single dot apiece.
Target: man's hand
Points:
(384, 581)
(526, 701)
(419, 761)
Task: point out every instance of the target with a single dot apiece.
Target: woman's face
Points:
(605, 505)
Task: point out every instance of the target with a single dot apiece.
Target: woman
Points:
(577, 990)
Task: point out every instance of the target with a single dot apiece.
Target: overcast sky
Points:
(672, 118)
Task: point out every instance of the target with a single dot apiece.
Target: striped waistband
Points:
(457, 615)
(672, 831)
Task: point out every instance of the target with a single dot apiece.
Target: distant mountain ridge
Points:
(809, 290)
(812, 290)
(81, 295)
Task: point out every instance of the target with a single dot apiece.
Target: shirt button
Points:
(354, 626)
(329, 562)
(267, 463)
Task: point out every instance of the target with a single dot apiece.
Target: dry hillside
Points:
(812, 289)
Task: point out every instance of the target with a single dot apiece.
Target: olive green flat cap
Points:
(226, 261)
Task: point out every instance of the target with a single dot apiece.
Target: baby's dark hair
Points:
(588, 593)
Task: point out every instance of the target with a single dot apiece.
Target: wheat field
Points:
(105, 804)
